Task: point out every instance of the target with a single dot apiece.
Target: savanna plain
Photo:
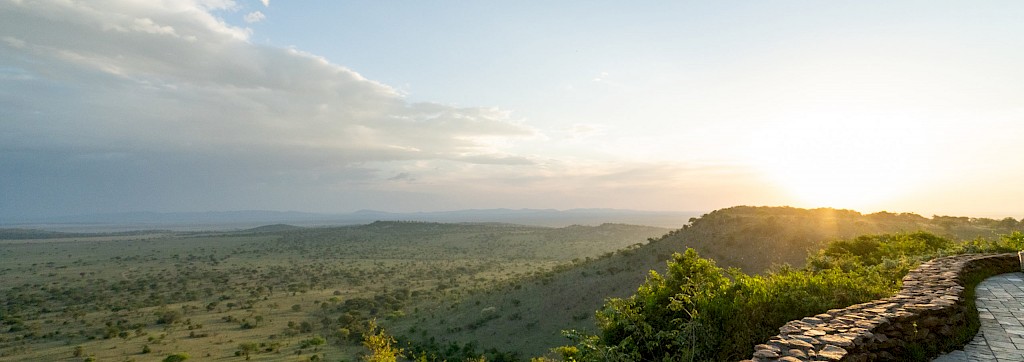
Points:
(272, 293)
(395, 290)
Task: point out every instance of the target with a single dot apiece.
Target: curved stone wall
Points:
(930, 308)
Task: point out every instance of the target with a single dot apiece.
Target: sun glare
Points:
(849, 163)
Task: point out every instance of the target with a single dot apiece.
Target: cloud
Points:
(404, 176)
(254, 17)
(557, 183)
(176, 77)
(165, 107)
(266, 3)
(168, 84)
(582, 130)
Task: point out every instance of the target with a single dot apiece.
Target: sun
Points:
(845, 163)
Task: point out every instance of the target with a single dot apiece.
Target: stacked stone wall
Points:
(929, 310)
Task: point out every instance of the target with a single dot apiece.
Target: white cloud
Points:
(265, 3)
(152, 105)
(254, 17)
(175, 77)
(169, 85)
(13, 42)
(211, 4)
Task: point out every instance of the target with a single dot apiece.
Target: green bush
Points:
(698, 311)
(177, 357)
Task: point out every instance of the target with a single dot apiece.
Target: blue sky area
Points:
(337, 106)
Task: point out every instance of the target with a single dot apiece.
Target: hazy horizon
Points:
(220, 105)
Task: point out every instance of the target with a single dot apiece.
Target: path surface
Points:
(1001, 310)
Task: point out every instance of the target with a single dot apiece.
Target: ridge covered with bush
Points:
(699, 311)
(527, 317)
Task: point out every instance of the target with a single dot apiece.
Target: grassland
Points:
(272, 293)
(285, 293)
(534, 312)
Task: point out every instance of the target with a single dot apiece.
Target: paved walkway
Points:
(1001, 310)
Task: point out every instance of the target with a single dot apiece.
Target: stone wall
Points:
(929, 309)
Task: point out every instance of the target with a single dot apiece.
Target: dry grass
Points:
(61, 294)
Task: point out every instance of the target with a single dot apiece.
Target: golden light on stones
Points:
(929, 307)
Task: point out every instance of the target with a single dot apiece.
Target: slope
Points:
(526, 317)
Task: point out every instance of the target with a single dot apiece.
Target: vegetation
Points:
(457, 292)
(533, 310)
(275, 292)
(755, 239)
(698, 311)
(177, 357)
(380, 345)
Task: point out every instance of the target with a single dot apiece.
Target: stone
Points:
(807, 339)
(832, 352)
(929, 305)
(946, 331)
(815, 333)
(837, 340)
(812, 321)
(789, 328)
(929, 322)
(765, 353)
(796, 343)
(866, 324)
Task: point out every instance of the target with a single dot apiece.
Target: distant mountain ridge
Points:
(273, 228)
(246, 219)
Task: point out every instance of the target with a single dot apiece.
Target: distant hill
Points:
(539, 217)
(755, 238)
(23, 234)
(33, 234)
(534, 311)
(241, 220)
(272, 228)
(209, 217)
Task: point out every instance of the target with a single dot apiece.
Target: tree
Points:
(248, 348)
(380, 344)
(177, 357)
(314, 342)
(168, 316)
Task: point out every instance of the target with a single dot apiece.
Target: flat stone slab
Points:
(1000, 301)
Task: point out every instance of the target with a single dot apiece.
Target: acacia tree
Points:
(380, 344)
(247, 348)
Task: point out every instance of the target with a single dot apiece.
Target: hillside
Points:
(272, 228)
(755, 238)
(283, 286)
(471, 287)
(527, 317)
(25, 234)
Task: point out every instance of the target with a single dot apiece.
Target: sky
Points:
(216, 105)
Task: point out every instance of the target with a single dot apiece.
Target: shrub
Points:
(698, 311)
(177, 357)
